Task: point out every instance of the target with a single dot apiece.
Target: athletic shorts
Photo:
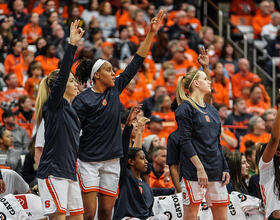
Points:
(215, 194)
(60, 195)
(102, 177)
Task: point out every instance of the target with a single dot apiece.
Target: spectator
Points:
(6, 32)
(35, 73)
(160, 51)
(207, 36)
(21, 70)
(168, 81)
(107, 49)
(149, 103)
(238, 168)
(25, 115)
(10, 157)
(218, 43)
(155, 126)
(163, 110)
(250, 155)
(107, 21)
(128, 96)
(150, 143)
(32, 30)
(48, 59)
(242, 7)
(269, 116)
(159, 177)
(261, 19)
(15, 57)
(269, 31)
(74, 14)
(220, 85)
(90, 11)
(67, 9)
(20, 137)
(255, 104)
(123, 47)
(40, 44)
(229, 58)
(9, 98)
(150, 12)
(59, 40)
(49, 7)
(39, 9)
(273, 50)
(52, 20)
(239, 117)
(240, 79)
(123, 14)
(256, 133)
(94, 41)
(20, 18)
(179, 62)
(195, 23)
(139, 25)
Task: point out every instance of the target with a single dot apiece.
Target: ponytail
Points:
(84, 70)
(185, 82)
(43, 94)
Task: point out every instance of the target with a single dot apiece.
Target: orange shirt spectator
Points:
(239, 80)
(65, 13)
(263, 138)
(220, 95)
(242, 7)
(223, 141)
(128, 98)
(261, 19)
(32, 86)
(32, 30)
(139, 25)
(141, 91)
(150, 69)
(48, 63)
(4, 8)
(123, 15)
(160, 182)
(169, 124)
(168, 81)
(194, 22)
(255, 104)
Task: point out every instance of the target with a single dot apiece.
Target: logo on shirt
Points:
(22, 200)
(104, 102)
(207, 118)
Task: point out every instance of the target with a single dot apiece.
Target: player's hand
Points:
(202, 178)
(203, 57)
(225, 178)
(133, 114)
(157, 21)
(76, 32)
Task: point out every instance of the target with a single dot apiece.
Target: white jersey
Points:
(267, 179)
(23, 207)
(40, 138)
(14, 183)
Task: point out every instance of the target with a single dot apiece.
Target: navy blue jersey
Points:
(100, 116)
(173, 149)
(62, 128)
(199, 134)
(135, 196)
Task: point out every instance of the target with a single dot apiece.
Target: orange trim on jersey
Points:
(76, 211)
(108, 193)
(54, 196)
(191, 196)
(263, 194)
(221, 202)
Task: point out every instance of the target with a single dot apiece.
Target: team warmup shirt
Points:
(173, 148)
(267, 179)
(100, 118)
(62, 128)
(199, 135)
(135, 197)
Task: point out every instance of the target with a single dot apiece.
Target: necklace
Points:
(197, 103)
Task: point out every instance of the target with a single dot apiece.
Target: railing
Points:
(218, 25)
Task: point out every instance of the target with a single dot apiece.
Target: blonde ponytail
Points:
(185, 82)
(43, 94)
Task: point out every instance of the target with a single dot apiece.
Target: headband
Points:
(193, 80)
(96, 67)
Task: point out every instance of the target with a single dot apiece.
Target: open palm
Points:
(203, 57)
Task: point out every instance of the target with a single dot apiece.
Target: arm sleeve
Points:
(79, 107)
(58, 89)
(129, 72)
(172, 157)
(185, 124)
(123, 162)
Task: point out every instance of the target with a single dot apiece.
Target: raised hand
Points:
(76, 32)
(203, 57)
(133, 114)
(157, 21)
